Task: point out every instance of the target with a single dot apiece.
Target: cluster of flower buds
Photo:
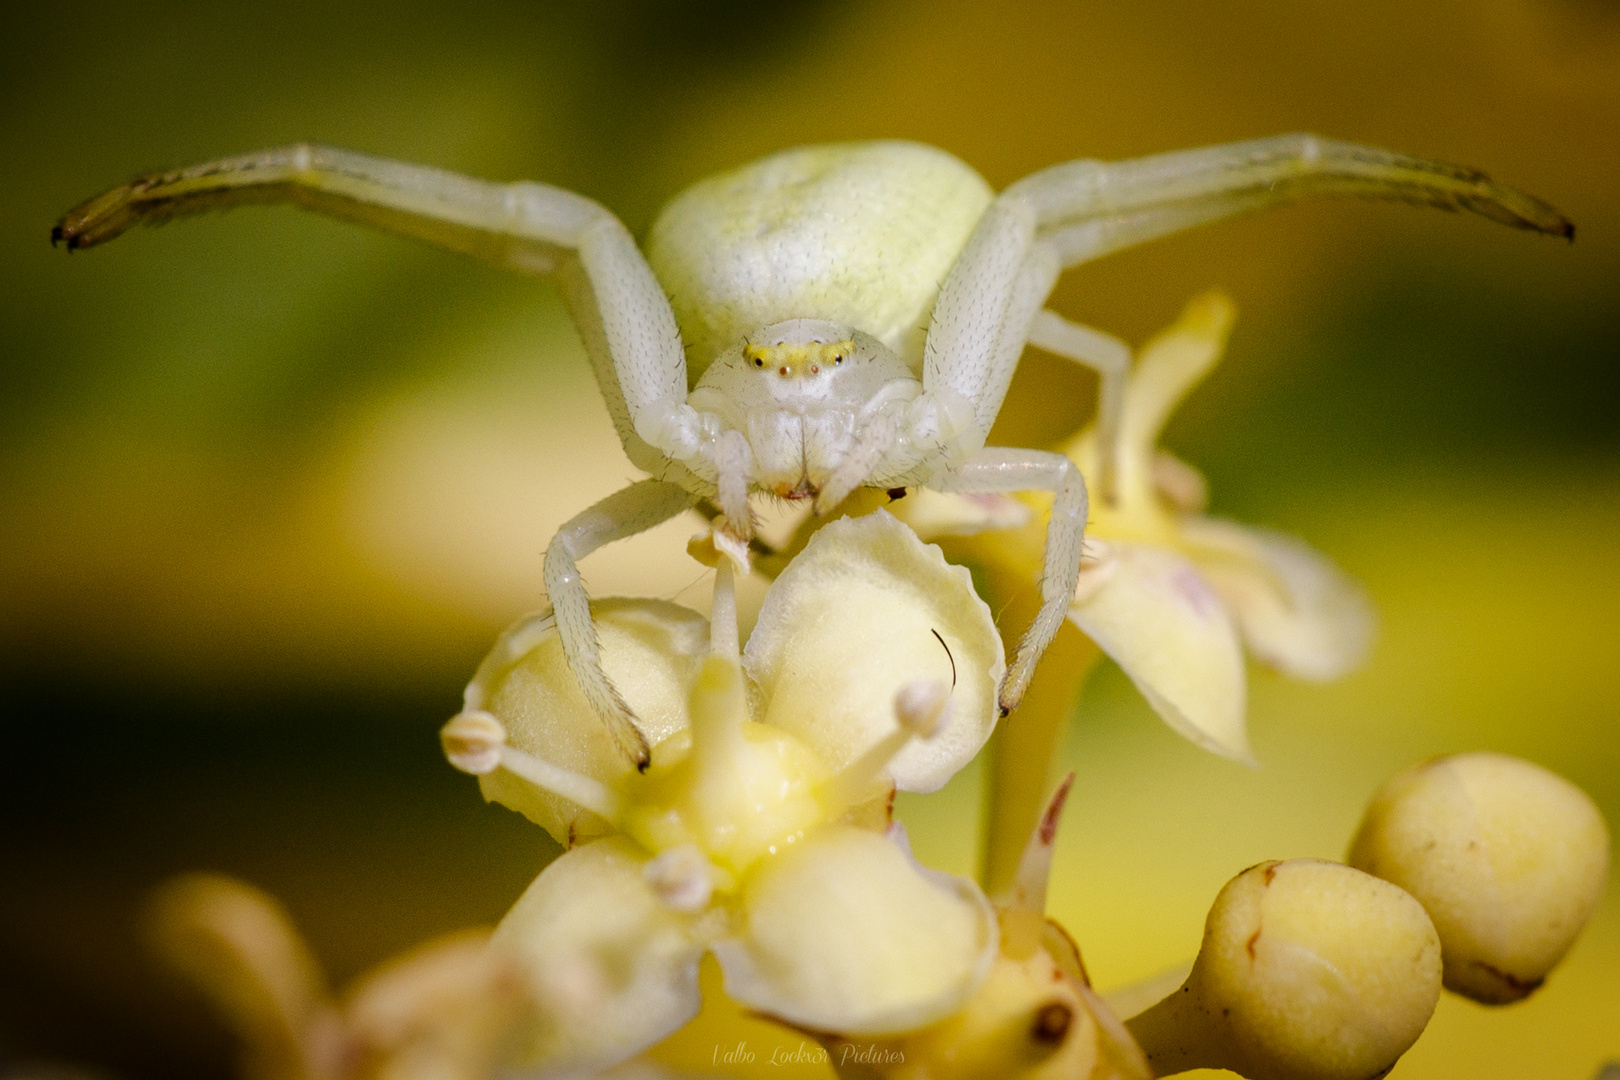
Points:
(1309, 969)
(1477, 870)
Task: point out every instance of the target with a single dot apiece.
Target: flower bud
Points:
(1309, 970)
(1509, 859)
(1030, 1019)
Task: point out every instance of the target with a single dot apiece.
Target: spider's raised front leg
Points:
(617, 303)
(1086, 209)
(1000, 470)
(1082, 210)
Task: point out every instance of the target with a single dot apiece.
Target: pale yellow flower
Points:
(760, 830)
(1170, 594)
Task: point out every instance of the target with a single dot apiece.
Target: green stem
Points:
(1022, 757)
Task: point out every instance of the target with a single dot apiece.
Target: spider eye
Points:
(838, 358)
(759, 361)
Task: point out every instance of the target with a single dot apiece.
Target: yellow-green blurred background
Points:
(269, 484)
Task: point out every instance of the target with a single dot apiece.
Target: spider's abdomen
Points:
(860, 234)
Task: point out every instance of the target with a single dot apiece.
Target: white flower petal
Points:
(650, 649)
(865, 609)
(1169, 631)
(932, 514)
(612, 969)
(1297, 611)
(845, 933)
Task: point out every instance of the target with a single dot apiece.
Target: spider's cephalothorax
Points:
(712, 350)
(819, 404)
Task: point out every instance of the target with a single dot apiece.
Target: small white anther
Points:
(923, 706)
(472, 741)
(720, 542)
(475, 742)
(921, 711)
(682, 878)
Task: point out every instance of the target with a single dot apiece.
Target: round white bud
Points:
(1309, 970)
(1509, 859)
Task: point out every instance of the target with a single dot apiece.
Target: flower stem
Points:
(1022, 755)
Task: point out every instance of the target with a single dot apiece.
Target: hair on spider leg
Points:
(689, 586)
(1002, 610)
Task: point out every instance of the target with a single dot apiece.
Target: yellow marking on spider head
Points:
(797, 360)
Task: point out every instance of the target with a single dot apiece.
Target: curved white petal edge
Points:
(1298, 611)
(850, 934)
(1168, 630)
(866, 608)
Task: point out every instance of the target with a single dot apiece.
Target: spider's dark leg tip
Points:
(70, 238)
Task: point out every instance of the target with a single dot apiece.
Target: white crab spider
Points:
(827, 318)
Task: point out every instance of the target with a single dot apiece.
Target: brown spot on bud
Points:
(1052, 1023)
